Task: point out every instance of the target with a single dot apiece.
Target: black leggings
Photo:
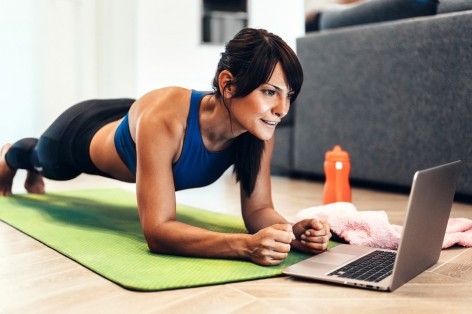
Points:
(62, 152)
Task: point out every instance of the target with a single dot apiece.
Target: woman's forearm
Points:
(177, 238)
(262, 218)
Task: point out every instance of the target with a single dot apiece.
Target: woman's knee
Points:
(52, 161)
(20, 154)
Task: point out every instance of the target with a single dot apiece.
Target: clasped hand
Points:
(271, 245)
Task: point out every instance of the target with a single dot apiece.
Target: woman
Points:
(174, 138)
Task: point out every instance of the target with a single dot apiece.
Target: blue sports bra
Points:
(196, 166)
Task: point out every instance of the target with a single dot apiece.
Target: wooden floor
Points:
(36, 279)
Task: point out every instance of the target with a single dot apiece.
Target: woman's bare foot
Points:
(34, 183)
(6, 173)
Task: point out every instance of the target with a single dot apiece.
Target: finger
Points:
(315, 233)
(327, 227)
(276, 260)
(311, 224)
(281, 247)
(287, 228)
(272, 239)
(270, 255)
(317, 239)
(316, 224)
(318, 247)
(278, 256)
(307, 223)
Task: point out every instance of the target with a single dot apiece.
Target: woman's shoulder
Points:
(165, 108)
(167, 95)
(163, 102)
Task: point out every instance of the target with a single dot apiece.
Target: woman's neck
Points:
(216, 125)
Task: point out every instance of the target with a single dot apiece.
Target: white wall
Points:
(169, 46)
(66, 51)
(169, 39)
(19, 64)
(116, 47)
(54, 53)
(285, 18)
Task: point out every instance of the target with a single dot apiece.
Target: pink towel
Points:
(372, 228)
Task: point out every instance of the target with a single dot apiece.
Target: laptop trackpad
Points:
(331, 258)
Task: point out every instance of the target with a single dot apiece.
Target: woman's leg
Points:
(6, 173)
(20, 156)
(62, 152)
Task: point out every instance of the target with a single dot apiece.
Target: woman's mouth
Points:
(270, 122)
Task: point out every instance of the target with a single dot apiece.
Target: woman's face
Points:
(261, 110)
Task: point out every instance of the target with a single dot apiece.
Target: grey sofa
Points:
(397, 95)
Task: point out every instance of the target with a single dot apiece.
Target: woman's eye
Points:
(269, 92)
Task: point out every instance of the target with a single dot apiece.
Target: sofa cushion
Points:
(396, 96)
(375, 11)
(282, 157)
(448, 6)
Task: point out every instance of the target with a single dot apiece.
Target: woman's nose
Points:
(282, 108)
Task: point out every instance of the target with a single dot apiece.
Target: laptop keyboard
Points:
(372, 267)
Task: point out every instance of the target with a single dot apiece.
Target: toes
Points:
(5, 192)
(6, 174)
(34, 183)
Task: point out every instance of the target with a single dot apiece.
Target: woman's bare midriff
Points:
(104, 155)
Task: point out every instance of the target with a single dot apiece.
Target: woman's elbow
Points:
(154, 248)
(155, 243)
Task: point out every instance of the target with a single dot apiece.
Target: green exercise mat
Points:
(100, 229)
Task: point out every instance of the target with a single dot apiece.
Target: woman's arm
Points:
(310, 235)
(158, 140)
(258, 210)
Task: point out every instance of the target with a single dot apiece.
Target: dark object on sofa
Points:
(375, 11)
(396, 95)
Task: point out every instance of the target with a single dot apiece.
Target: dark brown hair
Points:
(251, 57)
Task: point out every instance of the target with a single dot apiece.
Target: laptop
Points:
(429, 206)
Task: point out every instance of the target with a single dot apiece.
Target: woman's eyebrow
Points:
(279, 89)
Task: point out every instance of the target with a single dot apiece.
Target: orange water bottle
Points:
(337, 167)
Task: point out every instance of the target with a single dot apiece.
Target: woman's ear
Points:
(225, 84)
